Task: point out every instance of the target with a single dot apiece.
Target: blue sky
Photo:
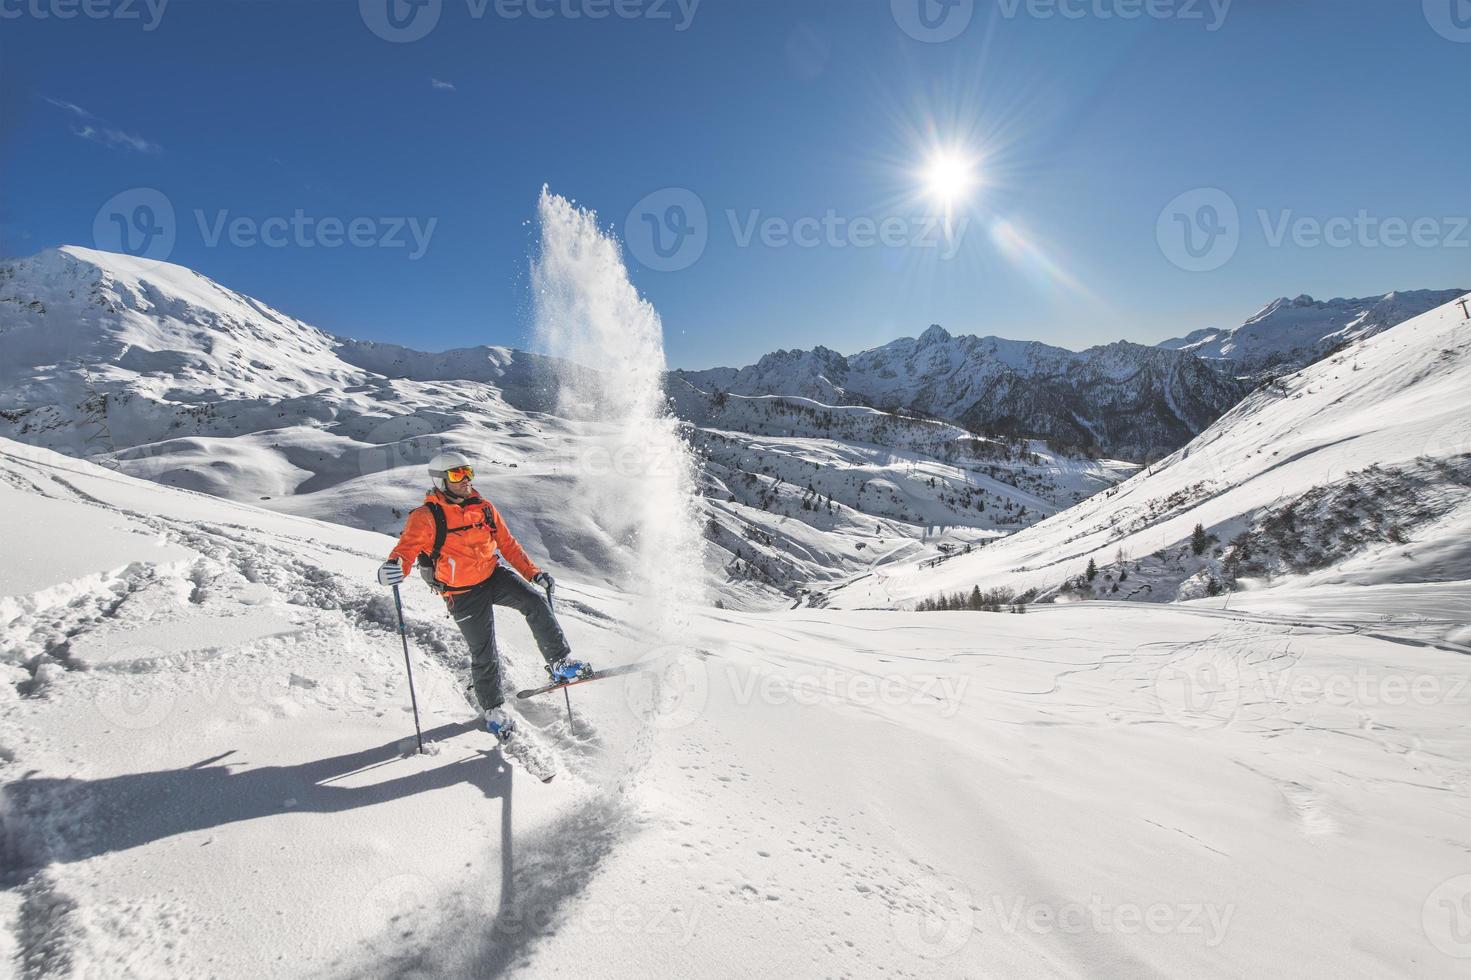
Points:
(1135, 178)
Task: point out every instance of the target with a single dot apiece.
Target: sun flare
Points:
(948, 178)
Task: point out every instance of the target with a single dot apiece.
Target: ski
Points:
(596, 675)
(529, 756)
(519, 747)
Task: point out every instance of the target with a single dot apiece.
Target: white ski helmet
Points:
(440, 466)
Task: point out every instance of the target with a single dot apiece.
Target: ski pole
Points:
(403, 632)
(567, 696)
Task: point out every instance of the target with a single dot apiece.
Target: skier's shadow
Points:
(71, 819)
(116, 813)
(552, 868)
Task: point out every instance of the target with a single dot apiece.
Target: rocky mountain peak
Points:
(936, 334)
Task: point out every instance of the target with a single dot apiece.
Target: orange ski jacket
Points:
(476, 537)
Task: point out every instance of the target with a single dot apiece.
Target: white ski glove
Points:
(390, 572)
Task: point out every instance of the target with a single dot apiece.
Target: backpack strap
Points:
(429, 562)
(441, 530)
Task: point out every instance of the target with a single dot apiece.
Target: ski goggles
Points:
(460, 473)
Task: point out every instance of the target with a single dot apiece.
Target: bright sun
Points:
(948, 178)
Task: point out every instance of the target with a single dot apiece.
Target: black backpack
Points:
(429, 562)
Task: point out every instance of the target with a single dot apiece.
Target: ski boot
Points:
(567, 670)
(500, 724)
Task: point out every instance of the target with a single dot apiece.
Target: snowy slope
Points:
(1356, 470)
(174, 378)
(1289, 334)
(201, 773)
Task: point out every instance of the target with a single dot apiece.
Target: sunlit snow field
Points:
(219, 784)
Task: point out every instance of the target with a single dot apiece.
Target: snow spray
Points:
(635, 473)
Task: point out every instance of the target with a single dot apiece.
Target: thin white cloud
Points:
(441, 86)
(116, 137)
(94, 129)
(71, 107)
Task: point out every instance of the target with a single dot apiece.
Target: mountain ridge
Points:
(1037, 390)
(1118, 399)
(1288, 334)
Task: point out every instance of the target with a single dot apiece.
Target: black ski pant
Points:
(474, 613)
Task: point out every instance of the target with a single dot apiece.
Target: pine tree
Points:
(1198, 540)
(1092, 569)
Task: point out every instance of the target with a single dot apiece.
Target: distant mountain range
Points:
(1123, 400)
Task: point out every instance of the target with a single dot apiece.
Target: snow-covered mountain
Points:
(1124, 400)
(1289, 334)
(169, 376)
(1353, 472)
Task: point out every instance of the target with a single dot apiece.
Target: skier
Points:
(458, 539)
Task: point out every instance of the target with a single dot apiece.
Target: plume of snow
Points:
(635, 470)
